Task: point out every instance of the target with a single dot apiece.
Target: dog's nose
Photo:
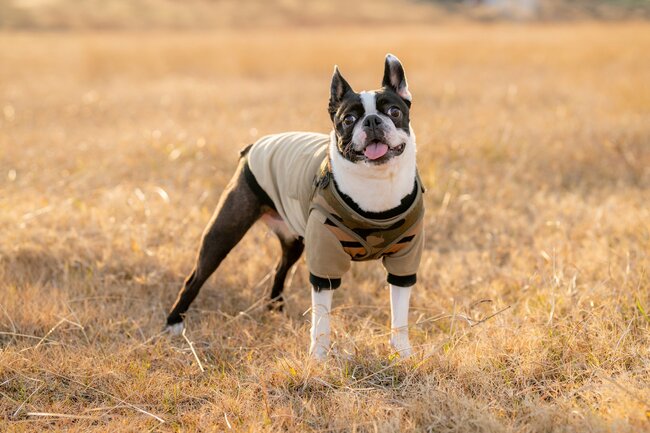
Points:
(372, 121)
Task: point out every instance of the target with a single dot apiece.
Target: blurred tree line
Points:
(207, 14)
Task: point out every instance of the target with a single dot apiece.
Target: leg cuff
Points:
(324, 283)
(402, 281)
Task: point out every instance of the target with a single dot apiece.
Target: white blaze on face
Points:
(369, 101)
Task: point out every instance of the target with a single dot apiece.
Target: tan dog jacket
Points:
(293, 170)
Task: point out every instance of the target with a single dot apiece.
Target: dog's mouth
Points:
(377, 152)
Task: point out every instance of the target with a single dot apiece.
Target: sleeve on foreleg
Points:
(326, 259)
(402, 267)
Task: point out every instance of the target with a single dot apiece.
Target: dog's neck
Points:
(375, 188)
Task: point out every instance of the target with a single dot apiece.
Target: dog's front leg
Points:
(399, 309)
(321, 305)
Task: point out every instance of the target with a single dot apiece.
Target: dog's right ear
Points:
(338, 90)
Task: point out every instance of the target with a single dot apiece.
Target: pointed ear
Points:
(395, 79)
(338, 90)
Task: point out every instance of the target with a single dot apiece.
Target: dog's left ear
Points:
(395, 79)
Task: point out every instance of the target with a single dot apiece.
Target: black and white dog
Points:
(351, 195)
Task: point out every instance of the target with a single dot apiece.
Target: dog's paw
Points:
(318, 352)
(175, 329)
(276, 305)
(401, 346)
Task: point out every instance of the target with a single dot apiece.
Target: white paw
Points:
(401, 345)
(318, 352)
(175, 329)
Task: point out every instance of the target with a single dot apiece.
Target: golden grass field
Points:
(532, 310)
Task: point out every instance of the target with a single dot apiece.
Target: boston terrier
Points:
(350, 195)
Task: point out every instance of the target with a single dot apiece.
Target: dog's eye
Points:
(349, 120)
(394, 112)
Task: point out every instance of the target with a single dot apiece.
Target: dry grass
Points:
(534, 142)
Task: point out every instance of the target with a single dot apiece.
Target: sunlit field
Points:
(532, 308)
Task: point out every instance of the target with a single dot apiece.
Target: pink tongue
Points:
(375, 150)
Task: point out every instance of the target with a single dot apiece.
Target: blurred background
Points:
(121, 122)
(213, 14)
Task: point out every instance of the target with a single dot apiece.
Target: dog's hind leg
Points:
(292, 248)
(238, 208)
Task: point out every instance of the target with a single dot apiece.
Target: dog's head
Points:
(372, 127)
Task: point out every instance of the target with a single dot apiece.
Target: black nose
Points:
(372, 121)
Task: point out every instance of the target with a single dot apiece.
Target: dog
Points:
(350, 195)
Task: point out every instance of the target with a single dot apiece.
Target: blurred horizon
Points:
(68, 15)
